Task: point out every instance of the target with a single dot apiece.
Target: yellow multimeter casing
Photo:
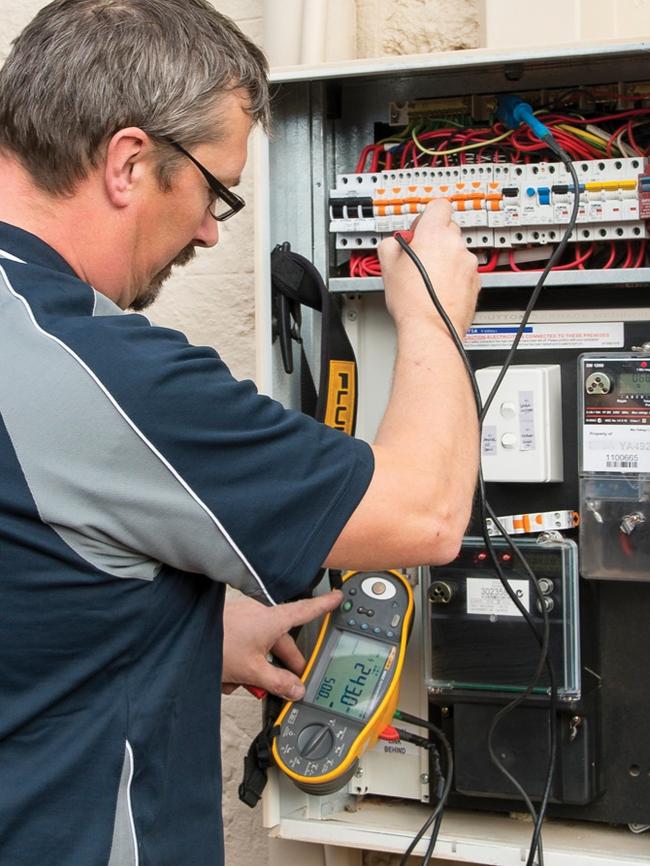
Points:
(351, 683)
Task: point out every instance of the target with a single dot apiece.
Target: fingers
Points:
(436, 216)
(287, 651)
(229, 688)
(300, 612)
(436, 213)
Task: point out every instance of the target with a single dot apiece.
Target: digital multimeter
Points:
(351, 683)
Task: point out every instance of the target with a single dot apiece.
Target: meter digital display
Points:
(634, 383)
(349, 684)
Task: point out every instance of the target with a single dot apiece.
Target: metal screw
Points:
(359, 772)
(630, 522)
(424, 778)
(352, 316)
(444, 712)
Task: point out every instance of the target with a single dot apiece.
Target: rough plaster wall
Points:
(415, 26)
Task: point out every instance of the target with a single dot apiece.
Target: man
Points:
(137, 477)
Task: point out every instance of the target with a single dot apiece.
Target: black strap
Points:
(296, 282)
(256, 763)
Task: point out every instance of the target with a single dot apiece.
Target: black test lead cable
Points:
(477, 397)
(444, 777)
(486, 510)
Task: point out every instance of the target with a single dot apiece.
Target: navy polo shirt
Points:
(137, 478)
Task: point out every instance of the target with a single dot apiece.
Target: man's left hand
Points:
(252, 630)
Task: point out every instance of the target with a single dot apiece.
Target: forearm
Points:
(431, 421)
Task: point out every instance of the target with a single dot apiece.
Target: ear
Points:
(125, 165)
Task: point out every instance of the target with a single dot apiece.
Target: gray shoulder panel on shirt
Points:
(95, 478)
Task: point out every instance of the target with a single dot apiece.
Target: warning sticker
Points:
(560, 335)
(487, 595)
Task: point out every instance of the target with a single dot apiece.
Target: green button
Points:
(347, 605)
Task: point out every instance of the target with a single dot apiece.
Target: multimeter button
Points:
(509, 440)
(390, 634)
(352, 591)
(352, 622)
(508, 410)
(365, 626)
(378, 587)
(370, 612)
(315, 742)
(376, 630)
(346, 606)
(395, 620)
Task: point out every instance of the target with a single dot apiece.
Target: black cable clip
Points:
(286, 318)
(256, 764)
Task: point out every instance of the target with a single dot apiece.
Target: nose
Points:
(207, 234)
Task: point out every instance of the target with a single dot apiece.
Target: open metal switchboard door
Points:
(356, 152)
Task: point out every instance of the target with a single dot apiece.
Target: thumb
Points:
(280, 682)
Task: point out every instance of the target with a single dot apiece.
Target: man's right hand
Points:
(438, 243)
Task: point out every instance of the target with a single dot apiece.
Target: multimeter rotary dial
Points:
(315, 741)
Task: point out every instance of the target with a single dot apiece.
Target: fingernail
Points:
(296, 692)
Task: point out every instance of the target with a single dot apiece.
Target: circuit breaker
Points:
(376, 142)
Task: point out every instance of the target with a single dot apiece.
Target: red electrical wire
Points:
(612, 140)
(586, 257)
(612, 256)
(628, 257)
(641, 254)
(362, 159)
(491, 264)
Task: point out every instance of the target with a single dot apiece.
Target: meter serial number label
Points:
(486, 595)
(617, 449)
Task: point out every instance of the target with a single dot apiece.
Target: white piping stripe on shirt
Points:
(5, 255)
(140, 434)
(136, 856)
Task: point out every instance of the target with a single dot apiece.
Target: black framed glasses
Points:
(227, 203)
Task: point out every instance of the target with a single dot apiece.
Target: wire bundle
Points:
(445, 142)
(610, 255)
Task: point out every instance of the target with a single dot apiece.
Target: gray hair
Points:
(84, 69)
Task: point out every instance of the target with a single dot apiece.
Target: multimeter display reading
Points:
(349, 683)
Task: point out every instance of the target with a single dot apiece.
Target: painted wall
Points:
(211, 301)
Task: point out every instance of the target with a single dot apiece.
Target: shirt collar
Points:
(24, 246)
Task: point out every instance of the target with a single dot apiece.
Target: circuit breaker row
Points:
(497, 204)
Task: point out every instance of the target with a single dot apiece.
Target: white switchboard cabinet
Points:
(323, 118)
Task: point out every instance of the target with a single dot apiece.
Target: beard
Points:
(146, 296)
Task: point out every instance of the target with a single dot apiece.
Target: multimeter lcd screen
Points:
(352, 676)
(635, 383)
